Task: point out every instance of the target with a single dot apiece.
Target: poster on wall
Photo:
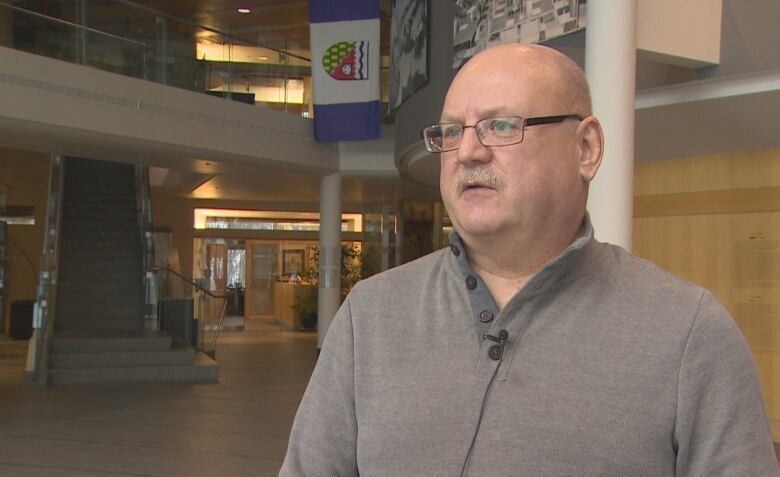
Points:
(479, 24)
(408, 49)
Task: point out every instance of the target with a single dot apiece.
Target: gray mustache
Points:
(477, 176)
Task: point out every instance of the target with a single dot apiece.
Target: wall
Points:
(171, 213)
(424, 106)
(749, 39)
(25, 178)
(715, 221)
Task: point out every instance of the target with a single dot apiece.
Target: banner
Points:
(345, 69)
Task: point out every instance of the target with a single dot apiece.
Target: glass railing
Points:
(131, 39)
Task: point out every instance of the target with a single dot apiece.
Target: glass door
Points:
(262, 274)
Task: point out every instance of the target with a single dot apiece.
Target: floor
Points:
(237, 427)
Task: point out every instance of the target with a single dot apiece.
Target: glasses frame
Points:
(525, 121)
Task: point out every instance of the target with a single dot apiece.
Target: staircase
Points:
(99, 327)
(101, 270)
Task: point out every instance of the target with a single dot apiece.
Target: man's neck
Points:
(506, 265)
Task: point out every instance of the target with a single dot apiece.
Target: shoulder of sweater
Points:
(404, 275)
(629, 270)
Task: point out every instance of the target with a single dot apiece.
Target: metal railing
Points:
(211, 351)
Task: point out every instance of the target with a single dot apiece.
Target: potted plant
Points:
(305, 302)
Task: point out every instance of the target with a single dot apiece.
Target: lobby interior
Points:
(235, 188)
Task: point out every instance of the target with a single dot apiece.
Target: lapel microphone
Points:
(500, 339)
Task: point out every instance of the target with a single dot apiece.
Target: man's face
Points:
(526, 188)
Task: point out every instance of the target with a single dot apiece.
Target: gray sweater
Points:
(610, 367)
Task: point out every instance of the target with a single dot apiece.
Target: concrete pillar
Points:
(610, 65)
(330, 254)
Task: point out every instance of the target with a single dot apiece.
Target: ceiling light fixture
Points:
(262, 58)
(244, 10)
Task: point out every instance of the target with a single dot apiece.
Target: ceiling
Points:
(717, 124)
(277, 24)
(256, 184)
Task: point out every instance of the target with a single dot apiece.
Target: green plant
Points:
(305, 302)
(305, 306)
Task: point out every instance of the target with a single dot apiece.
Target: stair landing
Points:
(93, 357)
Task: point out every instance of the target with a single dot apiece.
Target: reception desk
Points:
(284, 297)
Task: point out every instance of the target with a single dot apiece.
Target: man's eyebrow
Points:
(486, 113)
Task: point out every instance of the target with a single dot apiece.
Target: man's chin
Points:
(479, 229)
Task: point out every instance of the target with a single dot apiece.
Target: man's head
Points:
(533, 189)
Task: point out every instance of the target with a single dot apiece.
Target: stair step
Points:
(77, 322)
(87, 256)
(122, 319)
(118, 257)
(107, 281)
(205, 370)
(120, 188)
(124, 275)
(178, 356)
(72, 301)
(99, 217)
(114, 271)
(74, 213)
(100, 231)
(86, 342)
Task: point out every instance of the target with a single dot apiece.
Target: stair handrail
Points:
(46, 293)
(211, 352)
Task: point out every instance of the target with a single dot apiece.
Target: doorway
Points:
(262, 272)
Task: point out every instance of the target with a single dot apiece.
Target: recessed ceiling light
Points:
(244, 10)
(262, 58)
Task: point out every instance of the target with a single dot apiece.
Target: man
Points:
(528, 348)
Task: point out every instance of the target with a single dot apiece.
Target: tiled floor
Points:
(237, 427)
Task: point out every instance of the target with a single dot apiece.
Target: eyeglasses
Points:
(491, 132)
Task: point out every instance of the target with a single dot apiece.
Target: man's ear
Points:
(590, 143)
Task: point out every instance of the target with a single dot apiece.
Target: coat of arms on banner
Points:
(347, 60)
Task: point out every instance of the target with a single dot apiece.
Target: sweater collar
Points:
(548, 273)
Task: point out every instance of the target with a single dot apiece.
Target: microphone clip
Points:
(503, 335)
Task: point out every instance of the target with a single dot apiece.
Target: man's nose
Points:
(471, 149)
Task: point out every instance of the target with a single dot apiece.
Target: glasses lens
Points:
(451, 136)
(433, 138)
(500, 131)
(442, 137)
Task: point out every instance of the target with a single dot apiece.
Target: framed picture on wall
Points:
(292, 262)
(480, 24)
(408, 49)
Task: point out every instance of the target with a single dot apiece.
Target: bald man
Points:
(527, 347)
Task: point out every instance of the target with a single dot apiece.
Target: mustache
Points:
(480, 175)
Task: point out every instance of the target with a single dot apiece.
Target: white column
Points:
(330, 254)
(610, 65)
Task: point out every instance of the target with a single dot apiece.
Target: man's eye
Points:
(502, 126)
(451, 131)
